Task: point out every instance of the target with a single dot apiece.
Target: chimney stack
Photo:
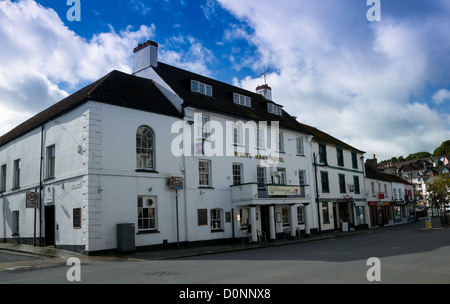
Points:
(265, 91)
(145, 55)
(372, 162)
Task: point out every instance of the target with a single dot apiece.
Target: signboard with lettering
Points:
(381, 196)
(176, 183)
(76, 218)
(274, 190)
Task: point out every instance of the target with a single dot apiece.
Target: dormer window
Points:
(274, 109)
(200, 87)
(242, 100)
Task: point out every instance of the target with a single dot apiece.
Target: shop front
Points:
(381, 214)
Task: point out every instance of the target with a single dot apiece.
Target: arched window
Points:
(145, 148)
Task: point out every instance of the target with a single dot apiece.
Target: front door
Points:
(49, 225)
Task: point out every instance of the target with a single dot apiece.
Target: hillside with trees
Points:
(443, 149)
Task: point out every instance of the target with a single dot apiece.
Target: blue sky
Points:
(382, 86)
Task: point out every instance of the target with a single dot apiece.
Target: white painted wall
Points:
(66, 133)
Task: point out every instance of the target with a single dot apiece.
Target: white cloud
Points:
(441, 96)
(349, 77)
(39, 55)
(186, 52)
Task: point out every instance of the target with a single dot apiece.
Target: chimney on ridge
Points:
(265, 91)
(145, 55)
(372, 162)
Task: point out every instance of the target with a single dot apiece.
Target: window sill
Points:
(15, 234)
(146, 171)
(148, 232)
(49, 178)
(217, 230)
(205, 187)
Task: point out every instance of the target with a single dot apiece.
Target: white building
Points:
(390, 198)
(105, 156)
(340, 183)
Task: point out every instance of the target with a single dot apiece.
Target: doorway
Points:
(265, 220)
(49, 225)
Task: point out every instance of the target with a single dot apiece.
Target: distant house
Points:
(390, 198)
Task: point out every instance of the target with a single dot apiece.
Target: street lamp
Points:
(317, 189)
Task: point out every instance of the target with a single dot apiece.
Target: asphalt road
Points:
(405, 255)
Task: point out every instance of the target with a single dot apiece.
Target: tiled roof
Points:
(321, 136)
(222, 98)
(116, 88)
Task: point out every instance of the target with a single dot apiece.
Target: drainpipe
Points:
(40, 189)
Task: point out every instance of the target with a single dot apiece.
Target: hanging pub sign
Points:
(176, 183)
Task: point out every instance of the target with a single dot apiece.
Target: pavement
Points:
(184, 251)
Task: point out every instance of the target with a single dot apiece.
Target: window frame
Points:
(261, 178)
(141, 200)
(16, 174)
(340, 157)
(357, 185)
(216, 219)
(237, 134)
(280, 142)
(342, 184)
(281, 176)
(237, 172)
(203, 126)
(299, 146)
(50, 161)
(3, 169)
(354, 160)
(201, 88)
(259, 134)
(285, 214)
(300, 215)
(325, 182)
(302, 182)
(242, 100)
(202, 174)
(322, 153)
(150, 151)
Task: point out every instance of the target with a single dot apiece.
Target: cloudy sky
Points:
(381, 86)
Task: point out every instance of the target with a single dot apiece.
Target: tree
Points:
(439, 191)
(416, 155)
(444, 149)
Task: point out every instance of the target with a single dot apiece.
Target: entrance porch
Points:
(262, 217)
